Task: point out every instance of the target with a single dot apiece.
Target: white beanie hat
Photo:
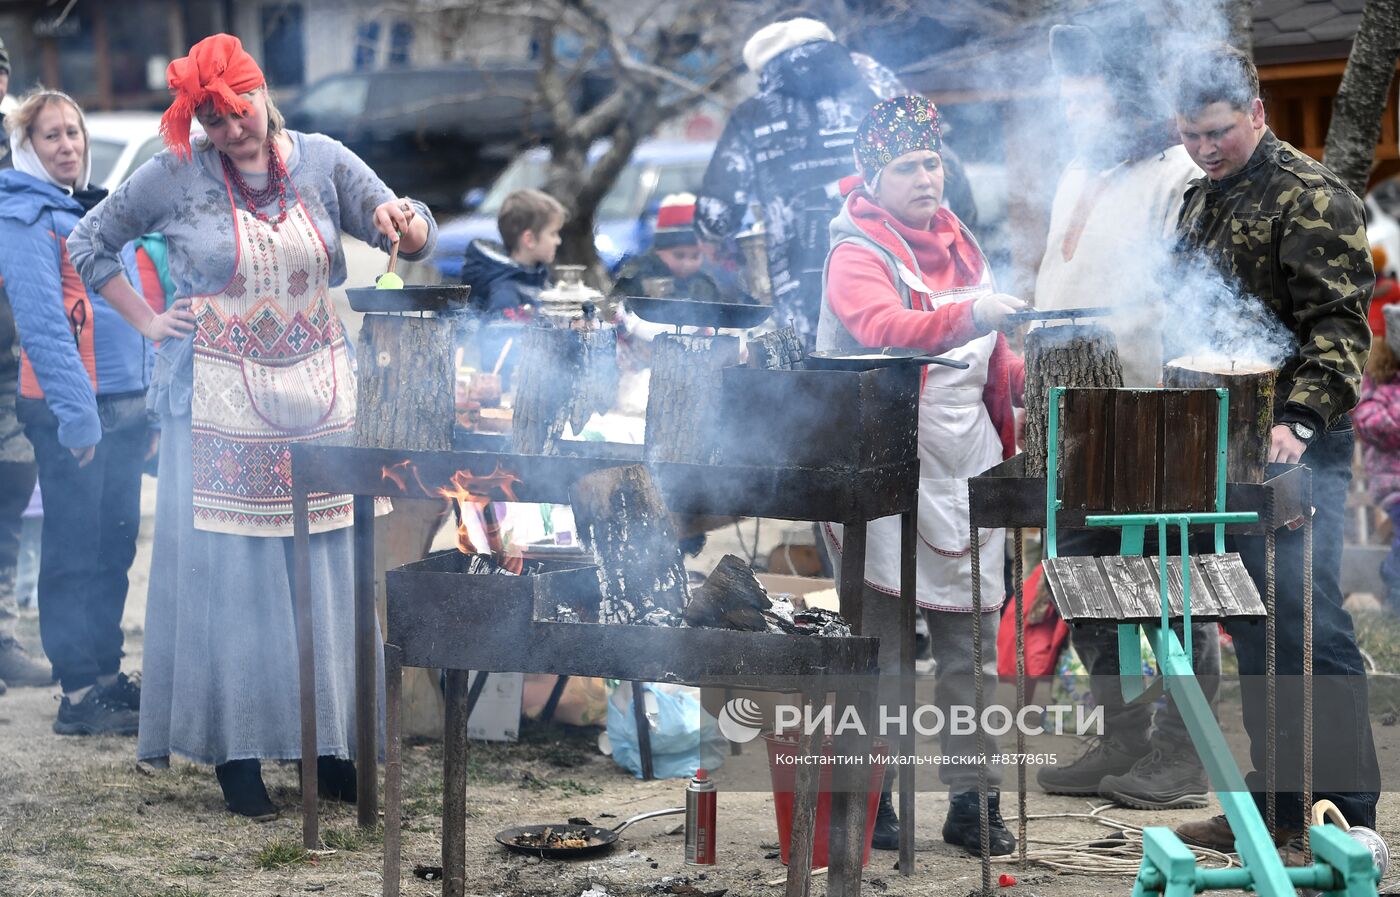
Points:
(770, 40)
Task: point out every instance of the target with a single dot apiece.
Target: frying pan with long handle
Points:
(597, 838)
(870, 359)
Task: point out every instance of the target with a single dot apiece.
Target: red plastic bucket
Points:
(784, 777)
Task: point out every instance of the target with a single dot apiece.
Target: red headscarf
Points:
(217, 70)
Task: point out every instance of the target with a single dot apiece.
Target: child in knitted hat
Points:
(675, 256)
(1377, 421)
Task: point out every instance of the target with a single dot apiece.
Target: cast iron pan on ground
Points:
(870, 359)
(597, 839)
(443, 297)
(694, 313)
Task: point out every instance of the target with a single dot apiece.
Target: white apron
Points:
(957, 440)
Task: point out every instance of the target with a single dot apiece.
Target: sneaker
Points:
(886, 835)
(244, 791)
(1215, 834)
(95, 714)
(963, 828)
(1103, 757)
(1170, 779)
(126, 690)
(17, 667)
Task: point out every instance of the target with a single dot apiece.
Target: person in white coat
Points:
(1111, 229)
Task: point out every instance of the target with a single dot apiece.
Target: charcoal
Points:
(731, 598)
(816, 621)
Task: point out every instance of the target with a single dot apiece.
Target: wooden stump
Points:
(622, 518)
(780, 349)
(1251, 387)
(1071, 355)
(684, 398)
(565, 376)
(731, 598)
(406, 384)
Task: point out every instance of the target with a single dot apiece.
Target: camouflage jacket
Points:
(1291, 234)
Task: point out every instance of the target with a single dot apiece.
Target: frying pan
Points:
(599, 839)
(445, 297)
(694, 313)
(1031, 315)
(870, 359)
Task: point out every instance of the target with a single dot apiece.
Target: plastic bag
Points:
(684, 737)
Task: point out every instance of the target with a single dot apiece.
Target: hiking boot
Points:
(963, 829)
(1103, 757)
(95, 714)
(244, 791)
(1215, 834)
(886, 835)
(126, 690)
(1170, 779)
(18, 668)
(335, 779)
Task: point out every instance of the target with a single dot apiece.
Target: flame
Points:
(396, 475)
(469, 490)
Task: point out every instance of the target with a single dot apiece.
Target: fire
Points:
(469, 490)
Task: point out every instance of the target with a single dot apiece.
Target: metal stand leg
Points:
(639, 713)
(306, 663)
(908, 607)
(366, 666)
(804, 807)
(474, 693)
(983, 782)
(547, 714)
(850, 785)
(393, 769)
(1018, 583)
(454, 787)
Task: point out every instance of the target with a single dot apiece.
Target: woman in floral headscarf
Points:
(903, 271)
(253, 358)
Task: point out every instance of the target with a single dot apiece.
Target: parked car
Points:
(433, 133)
(121, 142)
(626, 215)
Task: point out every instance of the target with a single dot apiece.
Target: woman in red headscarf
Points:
(253, 358)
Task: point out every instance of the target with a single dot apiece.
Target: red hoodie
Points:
(861, 294)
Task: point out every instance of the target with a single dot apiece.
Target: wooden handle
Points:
(394, 254)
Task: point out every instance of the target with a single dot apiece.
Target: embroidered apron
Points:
(271, 367)
(957, 440)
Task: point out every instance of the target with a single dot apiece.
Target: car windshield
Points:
(104, 157)
(622, 201)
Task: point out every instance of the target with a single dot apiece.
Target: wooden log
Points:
(598, 375)
(684, 397)
(406, 388)
(780, 349)
(622, 518)
(565, 376)
(731, 598)
(1251, 386)
(1070, 355)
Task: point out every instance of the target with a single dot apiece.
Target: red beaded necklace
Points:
(276, 186)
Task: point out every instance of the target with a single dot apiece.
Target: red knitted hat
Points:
(218, 70)
(675, 222)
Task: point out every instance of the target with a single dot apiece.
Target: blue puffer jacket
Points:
(500, 284)
(75, 346)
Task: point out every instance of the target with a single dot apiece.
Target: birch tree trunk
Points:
(1356, 113)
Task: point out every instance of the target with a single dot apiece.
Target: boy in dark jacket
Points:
(506, 280)
(675, 254)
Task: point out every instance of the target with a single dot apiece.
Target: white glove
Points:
(989, 312)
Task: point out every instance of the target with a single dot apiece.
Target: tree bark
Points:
(1251, 412)
(565, 376)
(684, 396)
(1077, 355)
(621, 516)
(1360, 102)
(406, 384)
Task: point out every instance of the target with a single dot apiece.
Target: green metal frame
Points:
(1168, 867)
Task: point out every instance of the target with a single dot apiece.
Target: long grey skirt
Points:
(219, 679)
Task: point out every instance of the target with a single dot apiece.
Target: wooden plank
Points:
(1127, 588)
(1125, 579)
(1086, 437)
(1136, 448)
(1190, 423)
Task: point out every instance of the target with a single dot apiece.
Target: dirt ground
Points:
(77, 816)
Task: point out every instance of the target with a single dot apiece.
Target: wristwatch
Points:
(1301, 430)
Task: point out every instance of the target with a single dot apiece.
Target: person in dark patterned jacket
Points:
(1284, 230)
(785, 149)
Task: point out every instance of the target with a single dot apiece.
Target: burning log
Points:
(776, 350)
(1251, 385)
(406, 384)
(566, 374)
(621, 517)
(684, 398)
(1076, 355)
(731, 598)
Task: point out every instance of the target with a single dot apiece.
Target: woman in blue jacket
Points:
(82, 403)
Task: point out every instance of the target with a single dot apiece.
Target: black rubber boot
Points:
(244, 791)
(335, 779)
(963, 829)
(886, 835)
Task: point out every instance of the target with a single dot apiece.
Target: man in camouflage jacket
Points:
(1284, 230)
